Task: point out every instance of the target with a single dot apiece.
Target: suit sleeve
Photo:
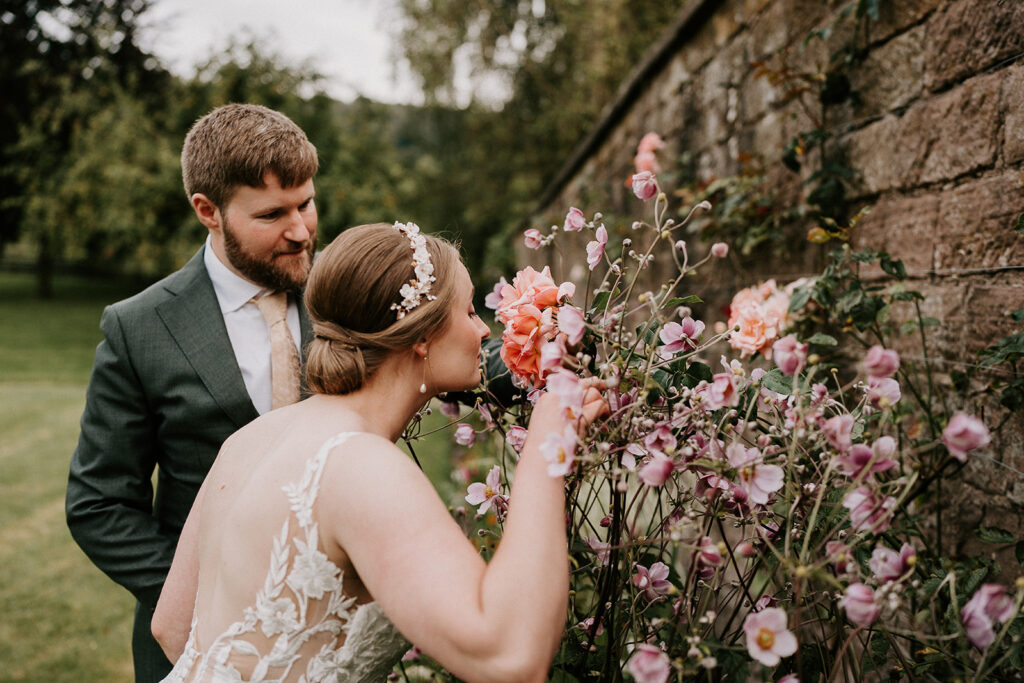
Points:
(109, 503)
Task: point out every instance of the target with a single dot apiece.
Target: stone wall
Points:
(934, 131)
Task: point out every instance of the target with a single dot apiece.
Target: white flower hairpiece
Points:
(414, 290)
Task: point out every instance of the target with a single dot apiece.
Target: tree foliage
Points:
(539, 74)
(92, 130)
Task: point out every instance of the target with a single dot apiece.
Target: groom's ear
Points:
(206, 211)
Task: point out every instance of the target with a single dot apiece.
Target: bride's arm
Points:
(172, 619)
(493, 622)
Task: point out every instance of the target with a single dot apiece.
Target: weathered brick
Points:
(784, 22)
(878, 172)
(1013, 114)
(765, 139)
(757, 96)
(890, 75)
(976, 223)
(894, 17)
(989, 308)
(903, 226)
(968, 36)
(958, 130)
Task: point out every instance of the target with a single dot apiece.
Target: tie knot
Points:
(272, 306)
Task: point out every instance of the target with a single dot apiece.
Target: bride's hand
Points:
(549, 415)
(594, 404)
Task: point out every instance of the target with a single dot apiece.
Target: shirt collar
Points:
(233, 291)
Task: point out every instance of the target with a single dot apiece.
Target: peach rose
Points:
(528, 287)
(754, 334)
(526, 331)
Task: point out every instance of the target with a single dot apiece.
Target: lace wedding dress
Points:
(292, 631)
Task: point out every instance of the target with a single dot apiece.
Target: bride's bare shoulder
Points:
(367, 453)
(368, 466)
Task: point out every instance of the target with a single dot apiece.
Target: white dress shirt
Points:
(247, 330)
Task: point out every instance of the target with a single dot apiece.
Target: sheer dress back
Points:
(300, 627)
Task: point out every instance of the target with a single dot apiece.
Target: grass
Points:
(64, 620)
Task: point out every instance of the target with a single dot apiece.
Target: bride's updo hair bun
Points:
(351, 287)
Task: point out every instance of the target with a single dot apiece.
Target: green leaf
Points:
(908, 327)
(910, 295)
(664, 379)
(601, 301)
(930, 322)
(1013, 395)
(683, 301)
(879, 648)
(960, 380)
(799, 299)
(1018, 315)
(993, 534)
(1019, 227)
(865, 313)
(822, 340)
(973, 581)
(696, 372)
(930, 586)
(775, 381)
(790, 158)
(1018, 551)
(892, 266)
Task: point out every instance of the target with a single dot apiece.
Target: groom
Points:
(199, 354)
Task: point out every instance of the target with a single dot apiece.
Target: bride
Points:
(316, 550)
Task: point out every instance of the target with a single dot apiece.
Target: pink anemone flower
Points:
(486, 494)
(574, 220)
(757, 479)
(768, 639)
(595, 249)
(652, 582)
(989, 604)
(649, 664)
(559, 450)
(859, 602)
(681, 336)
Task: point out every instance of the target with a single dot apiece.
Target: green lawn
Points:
(63, 620)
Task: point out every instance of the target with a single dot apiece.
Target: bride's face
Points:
(454, 356)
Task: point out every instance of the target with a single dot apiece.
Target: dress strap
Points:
(302, 494)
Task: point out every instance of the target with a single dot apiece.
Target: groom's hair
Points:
(351, 288)
(238, 144)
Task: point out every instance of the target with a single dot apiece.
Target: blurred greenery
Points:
(91, 126)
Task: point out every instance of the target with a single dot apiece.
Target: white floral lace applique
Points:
(301, 582)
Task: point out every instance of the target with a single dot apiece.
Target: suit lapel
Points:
(305, 328)
(194, 319)
(306, 335)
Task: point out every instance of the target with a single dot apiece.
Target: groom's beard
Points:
(280, 271)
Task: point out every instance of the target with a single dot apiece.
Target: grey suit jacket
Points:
(165, 393)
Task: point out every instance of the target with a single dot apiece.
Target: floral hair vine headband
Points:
(414, 290)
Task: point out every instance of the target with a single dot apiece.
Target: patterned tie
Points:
(285, 365)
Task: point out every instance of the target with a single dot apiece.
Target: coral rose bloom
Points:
(525, 332)
(756, 333)
(528, 287)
